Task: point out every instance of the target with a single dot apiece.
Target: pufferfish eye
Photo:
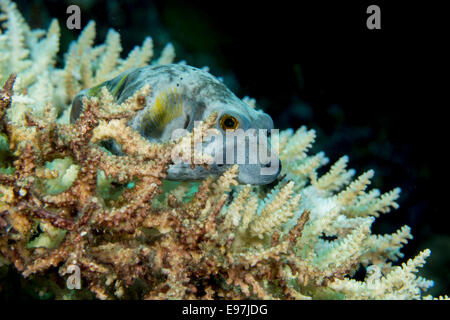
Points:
(228, 122)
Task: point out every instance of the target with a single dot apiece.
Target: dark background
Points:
(374, 95)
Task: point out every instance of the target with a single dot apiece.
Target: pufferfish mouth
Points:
(248, 173)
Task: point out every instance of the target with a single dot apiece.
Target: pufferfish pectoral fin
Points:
(168, 106)
(115, 87)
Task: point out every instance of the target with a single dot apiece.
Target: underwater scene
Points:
(169, 150)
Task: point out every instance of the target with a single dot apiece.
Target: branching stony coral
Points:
(64, 200)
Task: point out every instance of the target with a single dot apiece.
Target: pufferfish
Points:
(180, 95)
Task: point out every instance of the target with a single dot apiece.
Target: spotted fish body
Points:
(181, 95)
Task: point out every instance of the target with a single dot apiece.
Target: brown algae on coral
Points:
(65, 201)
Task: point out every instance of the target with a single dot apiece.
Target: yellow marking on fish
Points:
(168, 106)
